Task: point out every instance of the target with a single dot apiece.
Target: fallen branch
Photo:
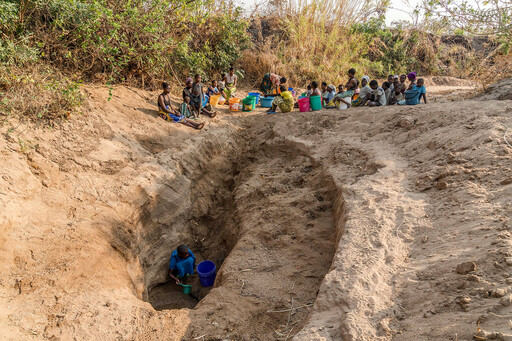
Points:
(398, 228)
(505, 135)
(287, 310)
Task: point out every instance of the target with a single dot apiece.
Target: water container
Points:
(304, 104)
(343, 106)
(266, 102)
(214, 100)
(234, 104)
(253, 99)
(249, 103)
(206, 272)
(257, 95)
(315, 102)
(186, 288)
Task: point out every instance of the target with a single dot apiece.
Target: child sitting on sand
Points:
(316, 91)
(181, 264)
(364, 93)
(345, 97)
(284, 101)
(386, 86)
(415, 94)
(309, 91)
(212, 89)
(396, 94)
(222, 86)
(329, 96)
(168, 113)
(378, 95)
(352, 81)
(324, 92)
(412, 80)
(193, 95)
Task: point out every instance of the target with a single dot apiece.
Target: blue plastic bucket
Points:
(255, 94)
(206, 272)
(266, 102)
(290, 89)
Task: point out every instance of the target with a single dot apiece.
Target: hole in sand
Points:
(170, 296)
(271, 233)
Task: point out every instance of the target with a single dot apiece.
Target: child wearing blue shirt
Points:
(182, 263)
(414, 95)
(212, 89)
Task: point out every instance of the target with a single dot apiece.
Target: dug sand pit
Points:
(270, 279)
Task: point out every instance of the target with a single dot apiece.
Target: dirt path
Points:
(357, 220)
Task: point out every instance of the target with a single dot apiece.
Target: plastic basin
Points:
(304, 105)
(266, 102)
(207, 273)
(315, 102)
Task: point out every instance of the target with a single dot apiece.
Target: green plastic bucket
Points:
(249, 103)
(316, 102)
(254, 100)
(186, 288)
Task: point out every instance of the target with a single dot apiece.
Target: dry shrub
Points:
(38, 93)
(493, 69)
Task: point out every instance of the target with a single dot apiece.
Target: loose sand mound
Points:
(366, 224)
(499, 91)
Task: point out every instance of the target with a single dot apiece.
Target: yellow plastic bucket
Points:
(234, 104)
(214, 100)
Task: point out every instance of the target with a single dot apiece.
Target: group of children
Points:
(195, 99)
(395, 90)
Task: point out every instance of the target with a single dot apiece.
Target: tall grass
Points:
(314, 40)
